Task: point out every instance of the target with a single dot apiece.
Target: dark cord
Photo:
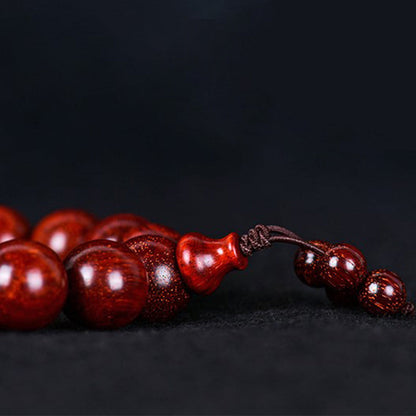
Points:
(262, 236)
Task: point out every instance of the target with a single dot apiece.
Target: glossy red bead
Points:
(12, 224)
(107, 285)
(307, 264)
(343, 267)
(63, 230)
(153, 229)
(383, 292)
(33, 285)
(118, 227)
(204, 262)
(168, 293)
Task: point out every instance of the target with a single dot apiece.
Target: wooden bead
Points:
(12, 224)
(204, 262)
(63, 230)
(165, 231)
(307, 264)
(167, 292)
(343, 267)
(383, 292)
(33, 285)
(154, 229)
(118, 227)
(107, 285)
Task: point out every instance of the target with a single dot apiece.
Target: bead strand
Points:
(342, 270)
(106, 274)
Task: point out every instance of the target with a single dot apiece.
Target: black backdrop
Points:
(212, 116)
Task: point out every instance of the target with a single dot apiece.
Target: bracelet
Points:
(108, 273)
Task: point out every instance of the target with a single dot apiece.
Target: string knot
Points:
(256, 239)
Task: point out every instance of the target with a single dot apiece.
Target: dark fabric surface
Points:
(212, 116)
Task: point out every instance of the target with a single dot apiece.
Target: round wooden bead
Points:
(33, 285)
(167, 292)
(204, 261)
(383, 292)
(107, 285)
(12, 224)
(118, 227)
(154, 229)
(343, 267)
(307, 264)
(63, 230)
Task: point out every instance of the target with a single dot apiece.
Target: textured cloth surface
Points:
(239, 351)
(213, 116)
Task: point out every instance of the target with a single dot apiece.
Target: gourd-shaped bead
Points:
(204, 262)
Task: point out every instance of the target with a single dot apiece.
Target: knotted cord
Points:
(262, 236)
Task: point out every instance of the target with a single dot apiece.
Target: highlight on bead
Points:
(64, 229)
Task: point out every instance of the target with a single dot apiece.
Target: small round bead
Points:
(153, 229)
(63, 230)
(33, 285)
(383, 292)
(167, 291)
(343, 267)
(117, 227)
(107, 285)
(12, 225)
(307, 264)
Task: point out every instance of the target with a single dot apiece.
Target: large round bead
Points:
(118, 227)
(107, 285)
(12, 224)
(33, 285)
(307, 264)
(343, 267)
(383, 292)
(167, 291)
(63, 230)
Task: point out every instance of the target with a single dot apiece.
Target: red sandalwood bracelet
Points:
(105, 274)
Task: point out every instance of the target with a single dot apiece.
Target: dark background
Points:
(213, 116)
